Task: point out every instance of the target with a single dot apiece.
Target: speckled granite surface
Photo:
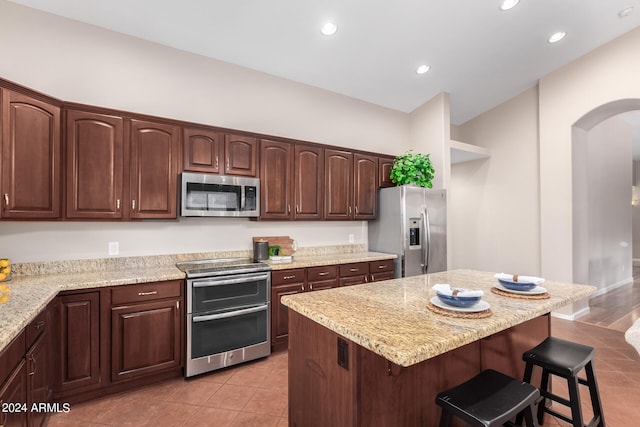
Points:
(34, 285)
(390, 318)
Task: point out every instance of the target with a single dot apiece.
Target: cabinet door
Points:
(381, 270)
(365, 186)
(338, 167)
(241, 155)
(276, 161)
(309, 182)
(95, 165)
(14, 391)
(145, 338)
(38, 377)
(384, 171)
(280, 313)
(202, 150)
(77, 342)
(154, 170)
(30, 157)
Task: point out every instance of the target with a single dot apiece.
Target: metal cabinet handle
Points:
(216, 162)
(324, 273)
(288, 209)
(354, 269)
(288, 277)
(356, 210)
(302, 287)
(310, 286)
(133, 205)
(39, 324)
(143, 294)
(118, 204)
(349, 210)
(32, 362)
(297, 209)
(228, 167)
(380, 267)
(6, 199)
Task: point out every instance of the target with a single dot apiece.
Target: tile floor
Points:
(255, 394)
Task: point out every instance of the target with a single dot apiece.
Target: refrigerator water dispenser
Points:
(414, 233)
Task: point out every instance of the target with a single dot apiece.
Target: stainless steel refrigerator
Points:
(412, 223)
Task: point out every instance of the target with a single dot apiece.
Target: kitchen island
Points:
(376, 355)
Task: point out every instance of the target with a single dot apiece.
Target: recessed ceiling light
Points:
(556, 37)
(508, 4)
(329, 28)
(423, 69)
(625, 12)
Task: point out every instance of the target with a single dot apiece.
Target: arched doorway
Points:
(602, 178)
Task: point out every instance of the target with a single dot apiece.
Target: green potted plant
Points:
(412, 168)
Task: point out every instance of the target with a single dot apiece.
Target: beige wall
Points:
(81, 63)
(494, 214)
(605, 75)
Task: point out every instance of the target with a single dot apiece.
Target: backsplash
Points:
(105, 264)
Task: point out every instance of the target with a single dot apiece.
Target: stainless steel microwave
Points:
(215, 195)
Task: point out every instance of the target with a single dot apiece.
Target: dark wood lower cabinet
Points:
(38, 379)
(14, 393)
(145, 338)
(77, 343)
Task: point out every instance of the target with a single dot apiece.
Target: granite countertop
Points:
(301, 261)
(38, 283)
(391, 318)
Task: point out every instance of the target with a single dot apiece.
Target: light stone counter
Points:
(34, 285)
(390, 318)
(301, 261)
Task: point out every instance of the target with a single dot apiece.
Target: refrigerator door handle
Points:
(427, 238)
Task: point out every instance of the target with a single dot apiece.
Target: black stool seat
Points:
(565, 359)
(488, 399)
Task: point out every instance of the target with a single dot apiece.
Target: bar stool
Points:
(489, 399)
(565, 359)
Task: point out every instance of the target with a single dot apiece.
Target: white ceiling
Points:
(478, 54)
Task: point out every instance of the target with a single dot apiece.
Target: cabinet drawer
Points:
(381, 266)
(354, 269)
(146, 292)
(284, 277)
(325, 272)
(37, 327)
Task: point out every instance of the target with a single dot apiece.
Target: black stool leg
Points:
(445, 418)
(529, 418)
(544, 387)
(593, 391)
(574, 398)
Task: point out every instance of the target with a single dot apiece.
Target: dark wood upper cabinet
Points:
(241, 155)
(338, 172)
(154, 169)
(309, 182)
(202, 150)
(384, 171)
(365, 186)
(31, 154)
(95, 165)
(276, 183)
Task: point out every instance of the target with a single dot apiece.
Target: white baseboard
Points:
(610, 288)
(572, 316)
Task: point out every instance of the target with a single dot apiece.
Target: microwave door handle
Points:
(243, 199)
(230, 314)
(214, 282)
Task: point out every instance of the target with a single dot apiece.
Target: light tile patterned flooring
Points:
(255, 394)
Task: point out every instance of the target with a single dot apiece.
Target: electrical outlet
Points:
(352, 238)
(114, 248)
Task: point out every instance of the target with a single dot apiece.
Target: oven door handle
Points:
(215, 282)
(229, 314)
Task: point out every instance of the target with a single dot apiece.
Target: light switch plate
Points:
(114, 248)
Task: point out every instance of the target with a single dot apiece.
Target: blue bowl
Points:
(517, 286)
(458, 301)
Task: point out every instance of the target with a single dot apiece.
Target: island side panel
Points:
(391, 395)
(321, 393)
(503, 351)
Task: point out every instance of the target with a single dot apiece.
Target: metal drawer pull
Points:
(142, 294)
(354, 269)
(324, 273)
(39, 324)
(230, 314)
(380, 267)
(288, 277)
(6, 199)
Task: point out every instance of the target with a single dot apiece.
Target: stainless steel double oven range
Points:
(227, 313)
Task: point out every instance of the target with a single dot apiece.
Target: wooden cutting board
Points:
(285, 243)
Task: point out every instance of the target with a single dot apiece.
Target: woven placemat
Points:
(519, 296)
(460, 314)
